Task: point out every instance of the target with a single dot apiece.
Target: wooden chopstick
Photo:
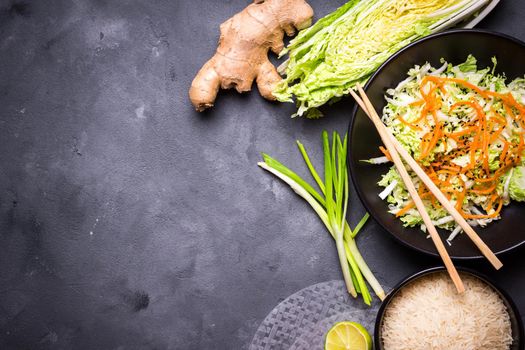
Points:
(485, 250)
(434, 235)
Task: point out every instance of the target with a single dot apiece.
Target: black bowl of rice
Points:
(425, 312)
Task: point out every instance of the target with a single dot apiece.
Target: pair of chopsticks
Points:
(396, 150)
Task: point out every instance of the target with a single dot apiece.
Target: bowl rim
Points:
(352, 164)
(512, 309)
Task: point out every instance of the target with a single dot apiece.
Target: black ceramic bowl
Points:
(454, 46)
(515, 318)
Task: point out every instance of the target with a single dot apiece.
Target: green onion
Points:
(331, 206)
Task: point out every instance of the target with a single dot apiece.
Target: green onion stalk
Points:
(331, 205)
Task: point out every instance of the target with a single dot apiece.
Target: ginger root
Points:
(242, 54)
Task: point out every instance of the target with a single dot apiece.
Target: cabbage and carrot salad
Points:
(465, 126)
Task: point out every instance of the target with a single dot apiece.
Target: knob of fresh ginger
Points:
(242, 54)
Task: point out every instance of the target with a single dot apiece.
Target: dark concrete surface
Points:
(129, 221)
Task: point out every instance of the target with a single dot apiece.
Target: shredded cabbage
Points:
(403, 116)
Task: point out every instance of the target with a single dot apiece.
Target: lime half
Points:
(348, 336)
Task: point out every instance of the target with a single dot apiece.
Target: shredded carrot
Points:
(385, 152)
(486, 190)
(405, 209)
(479, 133)
(454, 169)
(416, 103)
(493, 198)
(410, 205)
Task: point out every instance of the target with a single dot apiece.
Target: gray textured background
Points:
(129, 221)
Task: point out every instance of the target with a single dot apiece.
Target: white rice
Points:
(429, 314)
